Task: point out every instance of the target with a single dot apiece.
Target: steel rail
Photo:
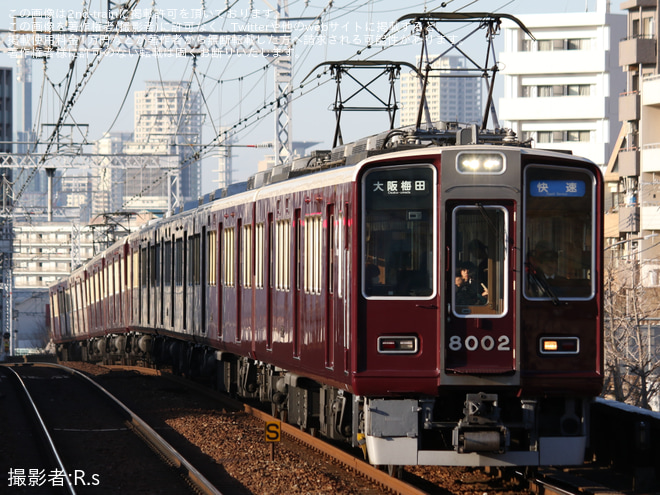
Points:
(149, 435)
(360, 467)
(44, 430)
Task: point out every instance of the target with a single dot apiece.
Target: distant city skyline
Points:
(233, 88)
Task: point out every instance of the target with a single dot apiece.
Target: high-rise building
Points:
(632, 220)
(561, 88)
(450, 95)
(168, 120)
(6, 110)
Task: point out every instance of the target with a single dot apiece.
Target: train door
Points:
(185, 270)
(168, 281)
(331, 266)
(194, 283)
(144, 285)
(212, 314)
(229, 303)
(155, 280)
(219, 281)
(135, 283)
(203, 279)
(239, 260)
(344, 281)
(480, 333)
(269, 281)
(162, 281)
(246, 282)
(177, 292)
(297, 278)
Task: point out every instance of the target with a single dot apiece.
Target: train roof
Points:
(347, 155)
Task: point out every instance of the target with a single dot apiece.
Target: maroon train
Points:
(432, 302)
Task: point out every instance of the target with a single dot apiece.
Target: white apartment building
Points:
(450, 96)
(561, 89)
(42, 255)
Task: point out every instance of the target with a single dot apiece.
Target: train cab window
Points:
(559, 216)
(399, 232)
(479, 258)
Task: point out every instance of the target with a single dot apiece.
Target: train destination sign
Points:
(405, 185)
(399, 187)
(557, 188)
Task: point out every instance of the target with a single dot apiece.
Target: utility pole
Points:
(6, 249)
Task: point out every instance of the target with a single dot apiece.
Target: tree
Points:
(632, 361)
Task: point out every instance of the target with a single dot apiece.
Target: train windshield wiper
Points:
(541, 281)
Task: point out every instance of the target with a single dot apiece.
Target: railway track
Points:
(542, 481)
(94, 442)
(364, 478)
(261, 473)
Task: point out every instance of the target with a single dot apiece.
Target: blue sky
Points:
(234, 88)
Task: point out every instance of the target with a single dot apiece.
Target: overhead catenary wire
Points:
(247, 119)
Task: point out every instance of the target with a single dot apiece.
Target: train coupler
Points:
(480, 430)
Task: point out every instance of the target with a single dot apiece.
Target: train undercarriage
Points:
(466, 428)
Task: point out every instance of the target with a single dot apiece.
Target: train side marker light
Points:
(398, 345)
(560, 345)
(550, 345)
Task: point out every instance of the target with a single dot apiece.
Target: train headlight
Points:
(398, 345)
(480, 163)
(559, 345)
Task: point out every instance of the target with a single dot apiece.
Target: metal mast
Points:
(282, 65)
(6, 249)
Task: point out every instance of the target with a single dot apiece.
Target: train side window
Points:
(178, 262)
(228, 265)
(479, 261)
(331, 251)
(246, 256)
(117, 273)
(340, 253)
(154, 272)
(399, 232)
(55, 304)
(282, 254)
(259, 255)
(167, 263)
(143, 267)
(559, 217)
(190, 261)
(212, 252)
(194, 260)
(313, 258)
(135, 264)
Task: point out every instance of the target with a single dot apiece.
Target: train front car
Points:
(480, 314)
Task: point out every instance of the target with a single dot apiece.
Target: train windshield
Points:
(559, 228)
(480, 244)
(399, 232)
